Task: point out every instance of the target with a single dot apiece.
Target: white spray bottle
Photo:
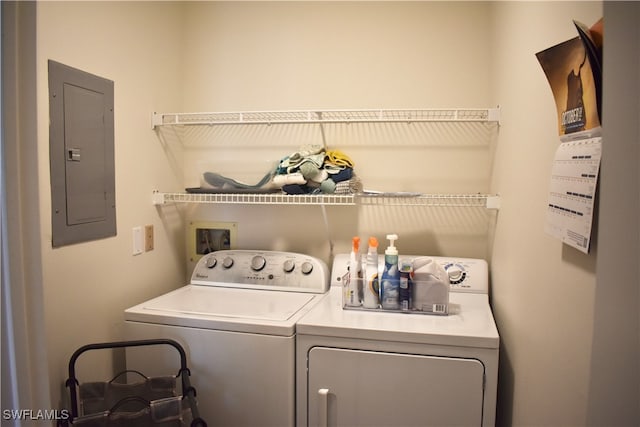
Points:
(371, 286)
(352, 291)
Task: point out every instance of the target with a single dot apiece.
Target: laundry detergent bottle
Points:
(406, 271)
(371, 286)
(390, 284)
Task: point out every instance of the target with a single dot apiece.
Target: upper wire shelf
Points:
(328, 116)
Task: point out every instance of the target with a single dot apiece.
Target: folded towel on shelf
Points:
(338, 158)
(322, 170)
(350, 186)
(312, 170)
(218, 183)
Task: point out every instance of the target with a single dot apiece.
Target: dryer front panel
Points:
(365, 388)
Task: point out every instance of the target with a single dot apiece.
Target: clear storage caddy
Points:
(423, 288)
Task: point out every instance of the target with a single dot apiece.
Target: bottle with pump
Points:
(390, 284)
(371, 286)
(352, 292)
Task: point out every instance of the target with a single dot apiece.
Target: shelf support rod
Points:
(324, 138)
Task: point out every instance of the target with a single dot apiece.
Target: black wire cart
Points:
(149, 401)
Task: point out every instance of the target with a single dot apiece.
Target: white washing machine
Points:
(236, 321)
(376, 368)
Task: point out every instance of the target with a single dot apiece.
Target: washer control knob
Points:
(456, 274)
(211, 262)
(227, 262)
(307, 267)
(258, 262)
(289, 265)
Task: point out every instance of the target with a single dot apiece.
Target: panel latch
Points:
(73, 154)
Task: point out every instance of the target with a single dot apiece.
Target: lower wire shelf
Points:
(488, 201)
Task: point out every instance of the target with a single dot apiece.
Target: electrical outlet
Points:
(148, 238)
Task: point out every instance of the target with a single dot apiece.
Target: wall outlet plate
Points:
(148, 238)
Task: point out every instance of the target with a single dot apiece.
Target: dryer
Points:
(236, 320)
(364, 368)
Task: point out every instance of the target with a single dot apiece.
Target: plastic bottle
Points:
(405, 286)
(352, 293)
(371, 287)
(390, 285)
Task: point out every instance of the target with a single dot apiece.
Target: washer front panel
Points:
(242, 380)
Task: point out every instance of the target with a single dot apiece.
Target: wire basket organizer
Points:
(149, 401)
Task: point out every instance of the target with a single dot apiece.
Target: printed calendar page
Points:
(572, 191)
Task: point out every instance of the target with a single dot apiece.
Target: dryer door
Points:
(365, 388)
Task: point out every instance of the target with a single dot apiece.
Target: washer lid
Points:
(231, 309)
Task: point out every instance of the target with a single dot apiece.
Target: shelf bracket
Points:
(494, 115)
(493, 202)
(157, 198)
(156, 120)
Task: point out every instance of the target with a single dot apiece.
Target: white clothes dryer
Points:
(366, 368)
(236, 320)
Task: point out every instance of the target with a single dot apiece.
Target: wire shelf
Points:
(487, 201)
(253, 199)
(328, 116)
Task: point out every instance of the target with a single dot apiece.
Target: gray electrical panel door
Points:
(81, 156)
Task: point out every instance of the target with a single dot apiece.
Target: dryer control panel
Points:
(274, 270)
(465, 274)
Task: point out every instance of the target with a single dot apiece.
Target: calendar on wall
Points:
(574, 71)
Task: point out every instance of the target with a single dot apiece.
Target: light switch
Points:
(138, 241)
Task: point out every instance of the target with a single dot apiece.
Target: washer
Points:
(236, 320)
(364, 368)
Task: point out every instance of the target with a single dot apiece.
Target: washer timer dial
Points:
(289, 265)
(456, 272)
(258, 263)
(227, 262)
(307, 268)
(211, 261)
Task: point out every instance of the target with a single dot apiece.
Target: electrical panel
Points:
(81, 141)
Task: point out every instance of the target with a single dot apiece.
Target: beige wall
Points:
(298, 55)
(87, 286)
(543, 291)
(214, 56)
(342, 55)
